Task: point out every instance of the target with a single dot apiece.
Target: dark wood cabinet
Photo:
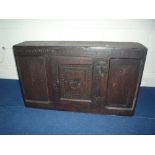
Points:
(96, 77)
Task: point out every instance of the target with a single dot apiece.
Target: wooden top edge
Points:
(105, 44)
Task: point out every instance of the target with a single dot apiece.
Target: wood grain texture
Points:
(96, 77)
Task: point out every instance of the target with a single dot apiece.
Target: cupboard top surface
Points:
(83, 44)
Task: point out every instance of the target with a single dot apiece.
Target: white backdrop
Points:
(16, 31)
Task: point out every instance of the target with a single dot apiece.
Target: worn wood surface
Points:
(96, 77)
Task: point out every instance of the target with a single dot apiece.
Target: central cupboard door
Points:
(75, 78)
(69, 79)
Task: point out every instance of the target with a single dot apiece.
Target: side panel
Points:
(33, 78)
(122, 82)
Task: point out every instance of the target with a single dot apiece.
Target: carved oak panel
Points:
(75, 81)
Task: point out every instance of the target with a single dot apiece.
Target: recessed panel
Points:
(122, 82)
(75, 81)
(33, 78)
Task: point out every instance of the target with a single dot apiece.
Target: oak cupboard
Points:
(83, 76)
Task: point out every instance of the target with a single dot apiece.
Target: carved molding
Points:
(39, 51)
(34, 52)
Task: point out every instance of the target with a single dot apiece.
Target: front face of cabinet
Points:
(85, 84)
